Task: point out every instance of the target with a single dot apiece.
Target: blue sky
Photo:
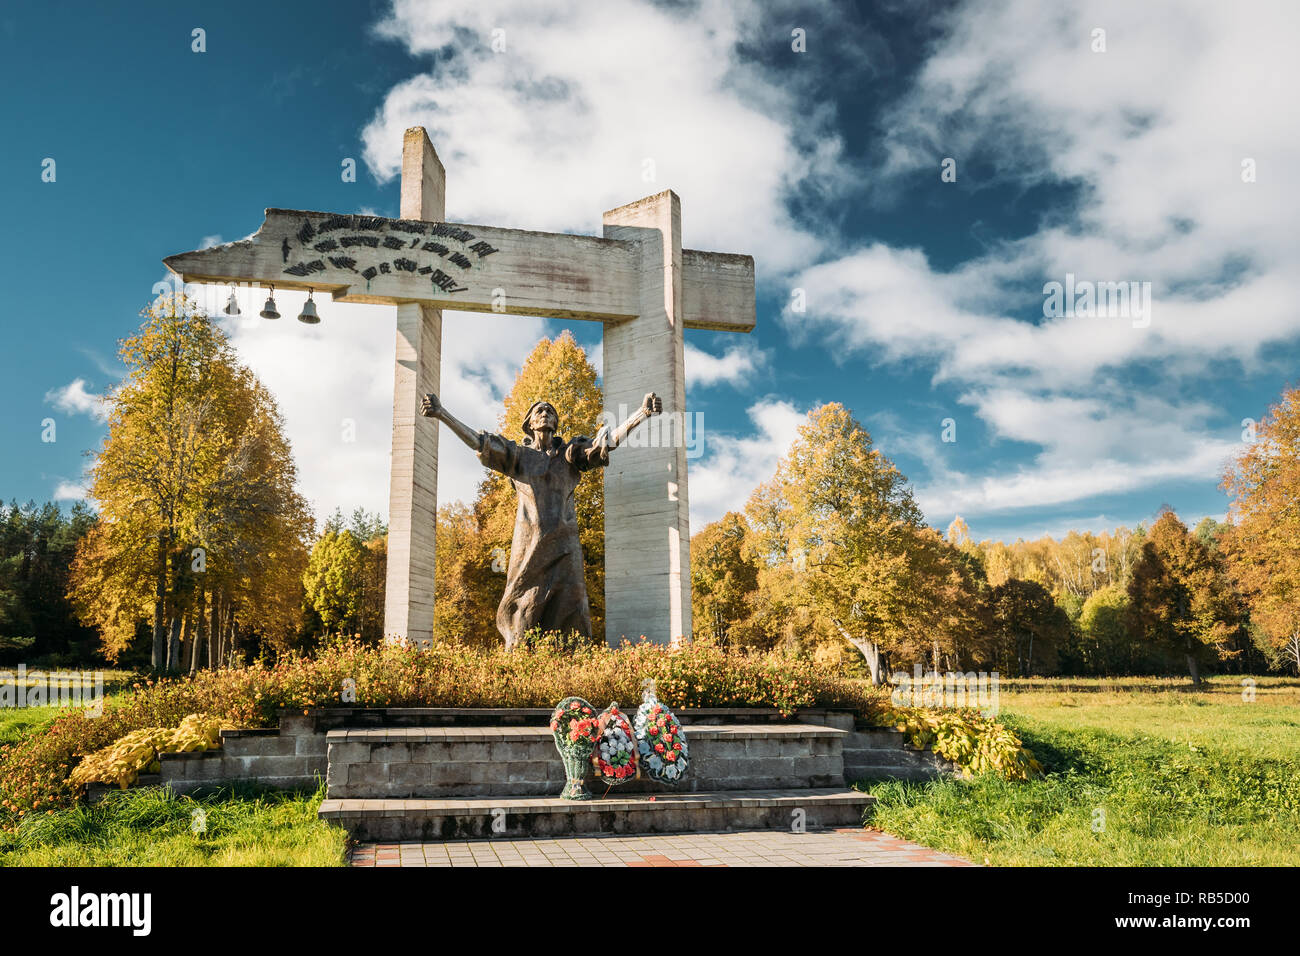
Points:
(925, 297)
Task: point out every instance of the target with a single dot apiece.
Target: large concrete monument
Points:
(637, 280)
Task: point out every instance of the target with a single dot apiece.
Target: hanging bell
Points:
(308, 314)
(232, 305)
(269, 311)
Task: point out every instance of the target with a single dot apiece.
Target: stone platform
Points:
(295, 755)
(401, 762)
(882, 754)
(514, 817)
(445, 773)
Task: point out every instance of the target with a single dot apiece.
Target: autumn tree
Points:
(147, 478)
(839, 519)
(947, 615)
(1071, 568)
(958, 533)
(1105, 645)
(724, 579)
(466, 601)
(1027, 627)
(344, 579)
(253, 524)
(333, 580)
(200, 527)
(1179, 598)
(1262, 541)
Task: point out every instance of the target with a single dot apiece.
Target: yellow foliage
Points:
(195, 457)
(123, 761)
(976, 744)
(1264, 525)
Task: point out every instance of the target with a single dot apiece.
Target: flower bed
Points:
(34, 774)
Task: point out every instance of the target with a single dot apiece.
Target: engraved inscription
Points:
(357, 233)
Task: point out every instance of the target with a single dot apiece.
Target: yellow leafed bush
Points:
(122, 761)
(976, 744)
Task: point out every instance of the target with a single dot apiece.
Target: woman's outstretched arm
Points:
(430, 407)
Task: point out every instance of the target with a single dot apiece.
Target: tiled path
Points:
(846, 847)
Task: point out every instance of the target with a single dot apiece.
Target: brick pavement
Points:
(840, 847)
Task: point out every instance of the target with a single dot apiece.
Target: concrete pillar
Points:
(413, 482)
(647, 522)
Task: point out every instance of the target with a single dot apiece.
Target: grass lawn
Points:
(19, 722)
(1140, 772)
(151, 826)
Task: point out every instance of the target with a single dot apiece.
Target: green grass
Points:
(151, 826)
(19, 722)
(1180, 777)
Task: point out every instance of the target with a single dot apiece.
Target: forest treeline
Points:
(203, 554)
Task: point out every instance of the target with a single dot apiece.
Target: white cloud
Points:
(558, 127)
(736, 465)
(594, 105)
(71, 491)
(546, 136)
(1059, 528)
(1043, 483)
(336, 379)
(734, 367)
(75, 398)
(1152, 133)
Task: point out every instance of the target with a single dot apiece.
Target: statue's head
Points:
(541, 416)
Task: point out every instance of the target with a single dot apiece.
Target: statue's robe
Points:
(545, 587)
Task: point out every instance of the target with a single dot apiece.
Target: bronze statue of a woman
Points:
(545, 587)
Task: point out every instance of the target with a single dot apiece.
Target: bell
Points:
(269, 311)
(308, 314)
(232, 306)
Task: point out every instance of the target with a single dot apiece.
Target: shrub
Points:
(122, 762)
(976, 744)
(35, 773)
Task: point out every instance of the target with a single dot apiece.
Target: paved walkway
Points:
(845, 847)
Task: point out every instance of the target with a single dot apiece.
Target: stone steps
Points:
(514, 817)
(883, 754)
(916, 774)
(520, 761)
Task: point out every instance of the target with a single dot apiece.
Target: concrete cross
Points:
(637, 280)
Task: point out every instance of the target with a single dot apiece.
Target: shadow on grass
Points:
(1058, 752)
